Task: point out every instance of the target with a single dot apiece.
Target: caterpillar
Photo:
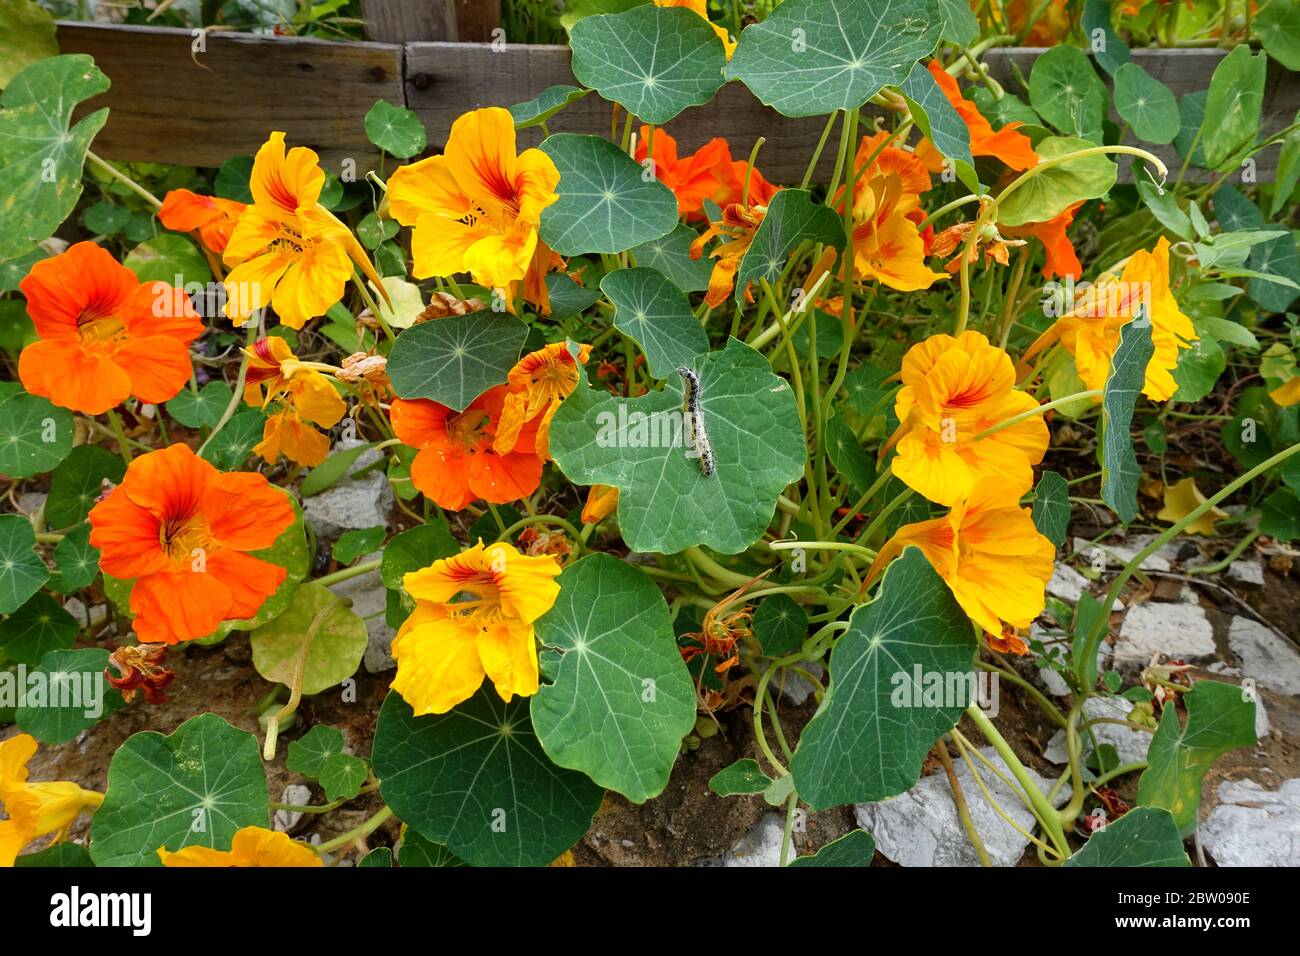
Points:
(699, 438)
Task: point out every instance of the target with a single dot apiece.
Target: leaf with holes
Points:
(196, 787)
(476, 781)
(319, 625)
(41, 150)
(640, 446)
(1145, 836)
(1120, 472)
(606, 204)
(616, 699)
(792, 219)
(1219, 718)
(455, 360)
(879, 719)
(656, 315)
(652, 61)
(812, 57)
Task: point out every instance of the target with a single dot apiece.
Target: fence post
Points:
(406, 21)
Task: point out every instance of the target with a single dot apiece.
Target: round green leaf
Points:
(316, 623)
(812, 57)
(1065, 90)
(1198, 370)
(1052, 507)
(415, 850)
(855, 848)
(170, 258)
(106, 219)
(416, 548)
(35, 435)
(640, 446)
(1046, 194)
(41, 152)
(606, 204)
(197, 787)
(671, 255)
(308, 755)
(232, 445)
(652, 61)
(476, 781)
(656, 315)
(455, 360)
(871, 733)
(201, 409)
(38, 626)
(792, 218)
(1278, 28)
(742, 778)
(22, 572)
(354, 543)
(26, 35)
(618, 699)
(76, 561)
(74, 695)
(1145, 836)
(395, 130)
(1146, 104)
(78, 482)
(781, 625)
(550, 101)
(342, 776)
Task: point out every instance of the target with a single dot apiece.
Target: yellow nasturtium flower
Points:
(989, 553)
(1182, 499)
(304, 394)
(287, 249)
(1091, 330)
(701, 8)
(477, 207)
(953, 391)
(537, 385)
(473, 618)
(34, 809)
(251, 846)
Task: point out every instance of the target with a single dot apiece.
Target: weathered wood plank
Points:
(401, 21)
(476, 19)
(166, 106)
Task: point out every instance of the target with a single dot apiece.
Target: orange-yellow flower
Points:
(1288, 393)
(251, 846)
(1051, 26)
(738, 225)
(536, 386)
(102, 335)
(601, 502)
(477, 207)
(457, 463)
(1008, 144)
(989, 553)
(304, 395)
(182, 531)
(212, 217)
(995, 248)
(886, 244)
(1062, 260)
(34, 810)
(1091, 330)
(473, 618)
(953, 390)
(701, 8)
(287, 249)
(708, 173)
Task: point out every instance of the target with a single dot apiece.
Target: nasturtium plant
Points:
(858, 412)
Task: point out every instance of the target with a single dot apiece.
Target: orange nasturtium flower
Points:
(1288, 393)
(1007, 144)
(457, 463)
(536, 386)
(287, 249)
(1062, 260)
(34, 810)
(212, 217)
(305, 396)
(738, 225)
(102, 335)
(473, 618)
(477, 207)
(251, 846)
(701, 7)
(989, 553)
(182, 531)
(953, 390)
(1091, 330)
(886, 212)
(1051, 26)
(601, 502)
(708, 173)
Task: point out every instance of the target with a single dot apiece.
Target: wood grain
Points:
(166, 107)
(401, 21)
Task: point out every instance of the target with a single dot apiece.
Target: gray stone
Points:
(369, 601)
(761, 846)
(30, 502)
(1262, 726)
(93, 616)
(921, 827)
(1247, 572)
(793, 687)
(1252, 826)
(1265, 655)
(1119, 553)
(1069, 585)
(1179, 630)
(298, 795)
(351, 503)
(1130, 745)
(1050, 679)
(1223, 669)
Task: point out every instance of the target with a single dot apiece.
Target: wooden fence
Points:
(198, 100)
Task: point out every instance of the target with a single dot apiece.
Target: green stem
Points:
(358, 833)
(125, 180)
(249, 338)
(1037, 410)
(344, 574)
(120, 433)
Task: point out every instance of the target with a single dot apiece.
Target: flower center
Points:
(185, 538)
(471, 429)
(99, 330)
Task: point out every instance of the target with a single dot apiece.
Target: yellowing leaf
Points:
(1184, 498)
